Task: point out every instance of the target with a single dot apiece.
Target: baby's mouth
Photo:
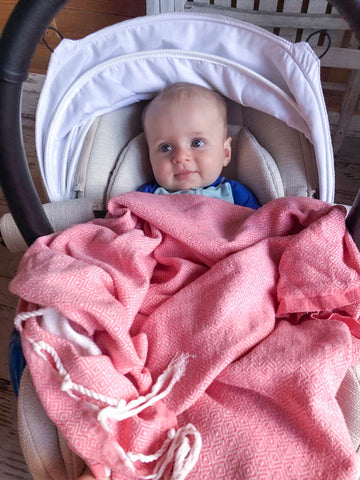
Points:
(184, 174)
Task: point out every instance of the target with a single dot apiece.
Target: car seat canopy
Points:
(132, 61)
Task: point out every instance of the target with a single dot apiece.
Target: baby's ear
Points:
(227, 151)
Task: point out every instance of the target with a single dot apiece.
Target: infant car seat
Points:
(88, 155)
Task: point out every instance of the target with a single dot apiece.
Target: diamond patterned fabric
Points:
(264, 304)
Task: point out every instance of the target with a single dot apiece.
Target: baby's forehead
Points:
(185, 102)
(191, 94)
(192, 97)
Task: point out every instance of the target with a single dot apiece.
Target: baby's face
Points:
(187, 144)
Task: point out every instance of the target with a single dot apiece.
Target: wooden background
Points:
(77, 19)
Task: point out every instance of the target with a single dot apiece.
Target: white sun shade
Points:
(133, 60)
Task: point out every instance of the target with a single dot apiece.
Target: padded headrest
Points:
(112, 147)
(251, 164)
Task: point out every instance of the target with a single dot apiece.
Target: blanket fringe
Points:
(176, 449)
(117, 410)
(23, 316)
(123, 409)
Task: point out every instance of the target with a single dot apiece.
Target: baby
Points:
(186, 131)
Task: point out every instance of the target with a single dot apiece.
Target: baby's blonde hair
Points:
(185, 91)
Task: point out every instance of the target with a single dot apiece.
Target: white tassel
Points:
(177, 449)
(23, 316)
(123, 410)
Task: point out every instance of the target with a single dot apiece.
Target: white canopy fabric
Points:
(133, 60)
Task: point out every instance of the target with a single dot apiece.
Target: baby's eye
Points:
(165, 148)
(197, 143)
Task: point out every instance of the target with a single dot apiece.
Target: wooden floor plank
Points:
(6, 319)
(347, 171)
(12, 464)
(347, 175)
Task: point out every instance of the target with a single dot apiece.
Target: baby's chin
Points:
(188, 182)
(189, 186)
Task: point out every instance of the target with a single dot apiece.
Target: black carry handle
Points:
(350, 11)
(353, 220)
(22, 33)
(20, 37)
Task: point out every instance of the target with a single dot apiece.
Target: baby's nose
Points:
(181, 155)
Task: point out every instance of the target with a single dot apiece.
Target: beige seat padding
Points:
(107, 169)
(290, 149)
(60, 214)
(46, 453)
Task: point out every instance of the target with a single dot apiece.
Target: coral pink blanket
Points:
(185, 337)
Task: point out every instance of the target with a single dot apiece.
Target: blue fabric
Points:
(223, 188)
(243, 196)
(16, 360)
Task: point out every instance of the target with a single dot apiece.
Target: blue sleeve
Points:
(243, 196)
(148, 188)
